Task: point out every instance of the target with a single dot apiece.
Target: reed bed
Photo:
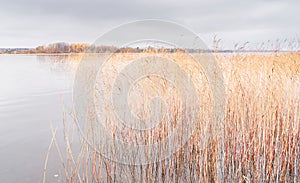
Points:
(259, 139)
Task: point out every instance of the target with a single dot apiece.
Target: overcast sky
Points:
(29, 23)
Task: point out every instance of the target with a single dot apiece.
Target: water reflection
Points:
(60, 62)
(31, 94)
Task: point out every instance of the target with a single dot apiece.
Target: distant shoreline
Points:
(63, 48)
(200, 51)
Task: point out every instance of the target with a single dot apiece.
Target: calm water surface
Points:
(33, 91)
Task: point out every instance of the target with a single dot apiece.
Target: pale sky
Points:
(29, 23)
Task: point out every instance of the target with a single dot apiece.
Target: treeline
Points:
(86, 48)
(73, 48)
(63, 47)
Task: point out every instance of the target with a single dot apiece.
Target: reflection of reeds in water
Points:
(60, 62)
(260, 139)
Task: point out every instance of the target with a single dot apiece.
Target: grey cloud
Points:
(34, 22)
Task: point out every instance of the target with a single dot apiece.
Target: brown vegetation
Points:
(259, 139)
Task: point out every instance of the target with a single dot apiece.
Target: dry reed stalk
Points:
(260, 139)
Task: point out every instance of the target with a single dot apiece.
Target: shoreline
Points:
(221, 51)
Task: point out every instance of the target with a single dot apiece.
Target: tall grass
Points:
(260, 139)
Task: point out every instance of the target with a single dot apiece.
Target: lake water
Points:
(33, 91)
